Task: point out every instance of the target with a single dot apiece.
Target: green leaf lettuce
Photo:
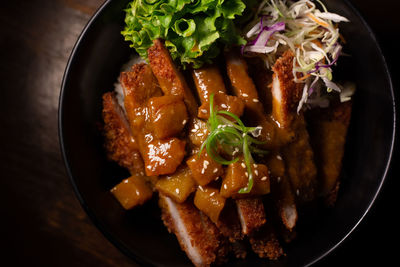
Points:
(194, 30)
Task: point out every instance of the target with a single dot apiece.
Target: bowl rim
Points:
(118, 243)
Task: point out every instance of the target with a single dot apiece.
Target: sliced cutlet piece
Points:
(300, 166)
(262, 78)
(286, 93)
(251, 214)
(208, 81)
(119, 143)
(243, 86)
(254, 113)
(251, 211)
(216, 238)
(169, 77)
(328, 130)
(281, 191)
(230, 227)
(265, 243)
(160, 156)
(197, 236)
(298, 154)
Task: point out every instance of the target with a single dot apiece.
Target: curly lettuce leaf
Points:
(194, 31)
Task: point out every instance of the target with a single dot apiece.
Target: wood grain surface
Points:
(42, 222)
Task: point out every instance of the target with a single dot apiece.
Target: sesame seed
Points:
(244, 135)
(204, 111)
(255, 100)
(245, 95)
(247, 174)
(225, 186)
(202, 171)
(196, 126)
(264, 178)
(184, 121)
(194, 130)
(126, 181)
(205, 164)
(148, 167)
(215, 170)
(201, 188)
(279, 179)
(199, 134)
(278, 157)
(297, 192)
(220, 91)
(216, 179)
(243, 165)
(224, 106)
(177, 190)
(213, 193)
(255, 165)
(256, 172)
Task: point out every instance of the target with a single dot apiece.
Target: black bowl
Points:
(95, 63)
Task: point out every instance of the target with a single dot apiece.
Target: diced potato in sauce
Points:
(204, 168)
(168, 115)
(209, 201)
(198, 132)
(163, 156)
(132, 192)
(177, 186)
(237, 177)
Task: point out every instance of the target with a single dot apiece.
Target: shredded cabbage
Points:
(312, 35)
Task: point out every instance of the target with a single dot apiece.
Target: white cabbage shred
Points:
(313, 36)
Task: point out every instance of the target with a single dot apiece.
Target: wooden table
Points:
(42, 222)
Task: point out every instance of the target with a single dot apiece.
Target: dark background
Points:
(42, 222)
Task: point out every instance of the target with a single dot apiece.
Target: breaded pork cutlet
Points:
(251, 214)
(208, 80)
(245, 87)
(159, 156)
(119, 142)
(298, 154)
(230, 227)
(197, 235)
(328, 130)
(265, 243)
(286, 93)
(281, 191)
(169, 77)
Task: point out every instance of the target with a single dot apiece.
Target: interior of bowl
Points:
(93, 69)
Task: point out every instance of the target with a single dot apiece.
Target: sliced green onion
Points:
(231, 136)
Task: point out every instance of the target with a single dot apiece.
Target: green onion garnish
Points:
(231, 136)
